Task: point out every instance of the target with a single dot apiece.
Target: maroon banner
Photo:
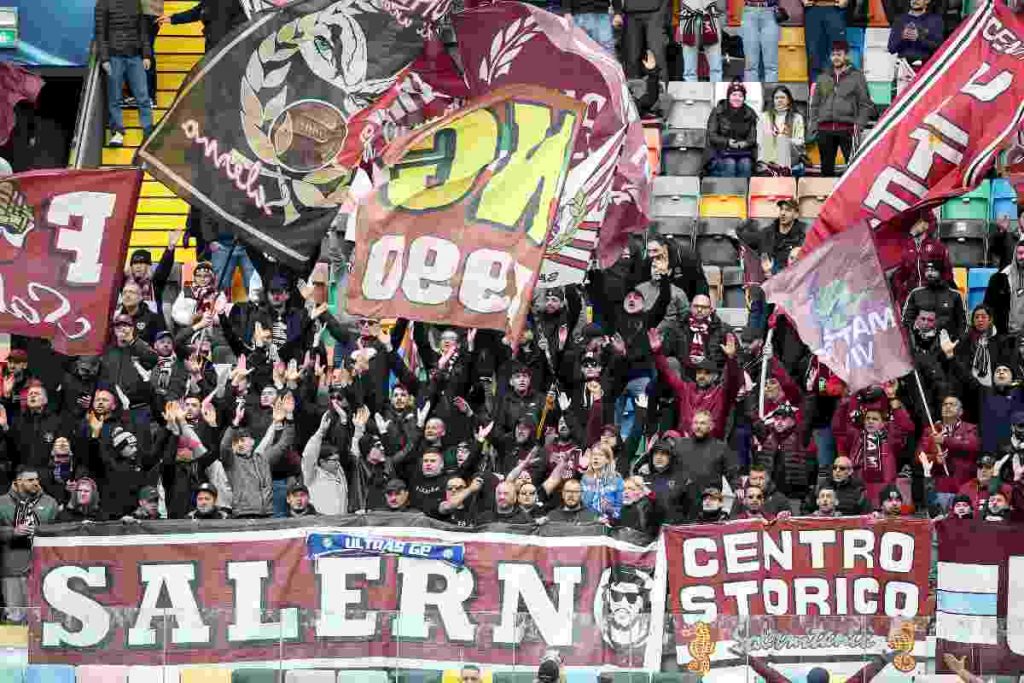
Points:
(840, 303)
(416, 597)
(832, 571)
(979, 613)
(939, 138)
(63, 237)
(458, 233)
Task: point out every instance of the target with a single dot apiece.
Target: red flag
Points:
(840, 303)
(939, 138)
(63, 237)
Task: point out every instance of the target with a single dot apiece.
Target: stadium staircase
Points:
(160, 212)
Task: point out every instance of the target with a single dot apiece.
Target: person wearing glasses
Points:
(459, 505)
(847, 490)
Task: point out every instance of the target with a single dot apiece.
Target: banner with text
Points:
(409, 597)
(979, 612)
(816, 588)
(63, 238)
(939, 138)
(458, 232)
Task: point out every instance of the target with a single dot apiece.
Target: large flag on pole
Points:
(939, 138)
(265, 133)
(838, 298)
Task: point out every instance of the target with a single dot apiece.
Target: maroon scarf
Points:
(699, 339)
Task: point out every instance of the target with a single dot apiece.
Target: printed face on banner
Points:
(62, 241)
(458, 232)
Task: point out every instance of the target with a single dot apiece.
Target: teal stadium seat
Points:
(971, 206)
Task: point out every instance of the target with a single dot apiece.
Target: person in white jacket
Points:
(322, 472)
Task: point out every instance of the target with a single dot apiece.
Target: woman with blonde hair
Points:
(602, 485)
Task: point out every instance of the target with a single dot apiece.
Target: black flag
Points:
(266, 130)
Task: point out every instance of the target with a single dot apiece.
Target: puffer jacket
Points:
(721, 130)
(840, 99)
(121, 29)
(16, 509)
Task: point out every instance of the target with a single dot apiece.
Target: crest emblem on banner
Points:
(16, 217)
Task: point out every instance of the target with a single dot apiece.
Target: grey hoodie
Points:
(251, 481)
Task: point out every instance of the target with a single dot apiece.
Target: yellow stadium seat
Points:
(206, 674)
(792, 55)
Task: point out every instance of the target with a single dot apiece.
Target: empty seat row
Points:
(693, 197)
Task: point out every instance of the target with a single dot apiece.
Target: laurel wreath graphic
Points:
(264, 96)
(505, 47)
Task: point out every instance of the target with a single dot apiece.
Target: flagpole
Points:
(765, 354)
(927, 411)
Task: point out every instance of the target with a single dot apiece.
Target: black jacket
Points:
(721, 129)
(121, 29)
(218, 17)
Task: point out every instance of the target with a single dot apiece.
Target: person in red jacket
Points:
(705, 393)
(920, 246)
(877, 433)
(953, 445)
(982, 486)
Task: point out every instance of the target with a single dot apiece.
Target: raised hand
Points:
(563, 336)
(484, 431)
(421, 414)
(280, 413)
(382, 424)
(618, 345)
(564, 401)
(362, 417)
(654, 339)
(729, 347)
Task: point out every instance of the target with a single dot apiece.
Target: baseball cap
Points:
(788, 201)
(149, 493)
(890, 492)
(395, 485)
(208, 487)
(142, 256)
(297, 488)
(986, 461)
(204, 265)
(161, 334)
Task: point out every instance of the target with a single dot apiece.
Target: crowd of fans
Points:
(627, 402)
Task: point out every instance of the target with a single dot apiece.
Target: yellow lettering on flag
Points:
(441, 168)
(523, 189)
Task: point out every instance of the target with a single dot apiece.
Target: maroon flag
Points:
(839, 301)
(939, 138)
(63, 237)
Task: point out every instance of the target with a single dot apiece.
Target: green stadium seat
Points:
(971, 206)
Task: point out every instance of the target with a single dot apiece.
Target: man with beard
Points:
(555, 318)
(33, 432)
(703, 458)
(705, 393)
(711, 506)
(505, 509)
(22, 509)
(779, 448)
(572, 510)
(1005, 294)
(848, 489)
(675, 494)
(936, 295)
(206, 504)
(520, 444)
(396, 496)
(980, 488)
(625, 617)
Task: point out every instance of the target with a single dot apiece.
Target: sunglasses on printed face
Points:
(631, 598)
